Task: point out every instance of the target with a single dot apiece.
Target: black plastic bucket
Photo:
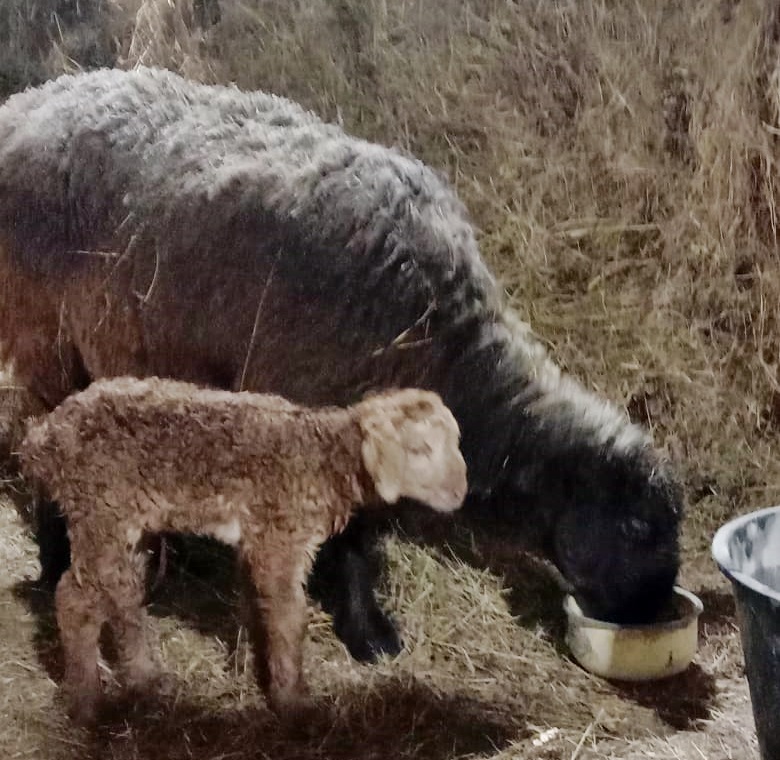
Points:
(747, 550)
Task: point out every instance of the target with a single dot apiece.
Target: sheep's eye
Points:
(636, 529)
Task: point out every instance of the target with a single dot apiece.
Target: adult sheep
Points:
(151, 225)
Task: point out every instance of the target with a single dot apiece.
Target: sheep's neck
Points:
(518, 412)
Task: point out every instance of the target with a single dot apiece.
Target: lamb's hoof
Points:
(83, 712)
(369, 637)
(304, 717)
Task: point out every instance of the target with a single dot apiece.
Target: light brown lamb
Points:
(129, 457)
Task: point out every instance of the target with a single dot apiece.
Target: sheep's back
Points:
(256, 245)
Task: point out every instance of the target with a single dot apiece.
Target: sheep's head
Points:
(411, 448)
(613, 532)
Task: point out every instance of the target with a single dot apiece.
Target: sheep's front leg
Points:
(343, 581)
(80, 618)
(278, 627)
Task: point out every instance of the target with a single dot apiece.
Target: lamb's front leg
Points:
(278, 570)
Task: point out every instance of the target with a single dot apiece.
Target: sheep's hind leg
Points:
(80, 617)
(51, 535)
(51, 368)
(343, 582)
(37, 340)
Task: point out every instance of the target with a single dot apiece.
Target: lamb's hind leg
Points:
(137, 652)
(80, 616)
(279, 626)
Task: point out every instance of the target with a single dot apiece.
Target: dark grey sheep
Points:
(151, 225)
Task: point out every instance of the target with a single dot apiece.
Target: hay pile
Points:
(479, 676)
(620, 161)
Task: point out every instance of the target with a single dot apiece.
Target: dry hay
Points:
(166, 33)
(473, 679)
(620, 162)
(42, 38)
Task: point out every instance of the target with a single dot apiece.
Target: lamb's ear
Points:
(383, 455)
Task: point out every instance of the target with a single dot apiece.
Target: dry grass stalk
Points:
(165, 34)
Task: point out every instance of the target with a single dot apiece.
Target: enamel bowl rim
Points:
(694, 608)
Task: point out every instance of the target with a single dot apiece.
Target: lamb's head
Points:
(613, 521)
(411, 448)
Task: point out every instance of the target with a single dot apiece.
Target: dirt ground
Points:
(620, 163)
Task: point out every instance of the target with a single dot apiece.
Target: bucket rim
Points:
(720, 552)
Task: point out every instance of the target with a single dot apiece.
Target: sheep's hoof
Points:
(368, 637)
(46, 583)
(154, 682)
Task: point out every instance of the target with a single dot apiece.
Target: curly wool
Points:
(128, 457)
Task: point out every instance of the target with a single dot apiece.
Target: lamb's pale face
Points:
(411, 448)
(434, 471)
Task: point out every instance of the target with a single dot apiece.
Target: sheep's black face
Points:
(616, 540)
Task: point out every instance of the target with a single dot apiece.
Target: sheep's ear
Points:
(384, 457)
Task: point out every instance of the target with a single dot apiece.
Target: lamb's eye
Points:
(636, 529)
